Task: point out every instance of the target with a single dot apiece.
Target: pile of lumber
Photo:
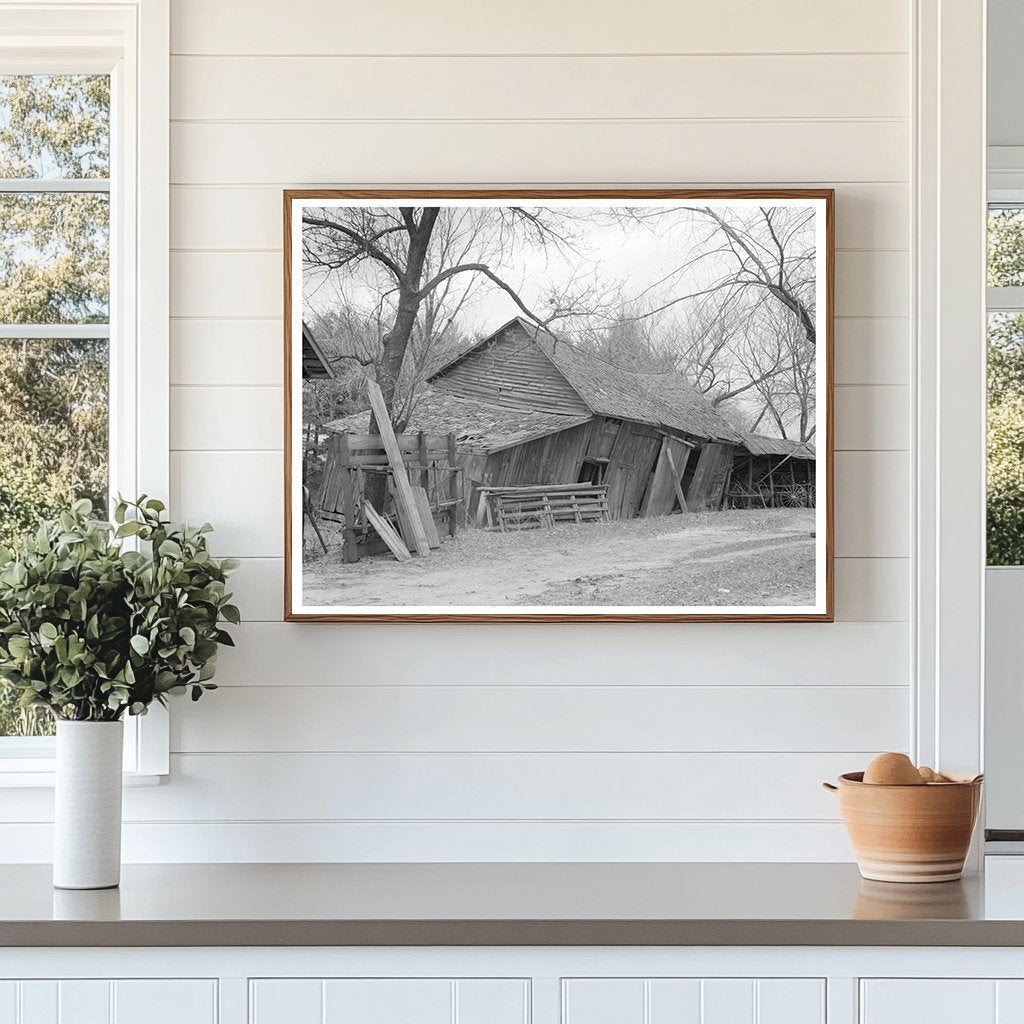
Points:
(416, 528)
(526, 508)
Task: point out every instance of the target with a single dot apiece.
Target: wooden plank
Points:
(348, 491)
(386, 533)
(709, 479)
(426, 516)
(661, 496)
(677, 475)
(403, 489)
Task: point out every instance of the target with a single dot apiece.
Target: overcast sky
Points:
(606, 254)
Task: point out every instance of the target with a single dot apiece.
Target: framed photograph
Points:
(558, 405)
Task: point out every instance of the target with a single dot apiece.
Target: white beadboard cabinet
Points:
(513, 985)
(106, 1001)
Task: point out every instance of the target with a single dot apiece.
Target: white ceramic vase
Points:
(87, 806)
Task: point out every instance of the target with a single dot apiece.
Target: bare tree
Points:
(415, 253)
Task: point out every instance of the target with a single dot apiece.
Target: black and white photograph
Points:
(574, 406)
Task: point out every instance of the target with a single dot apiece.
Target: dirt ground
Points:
(708, 559)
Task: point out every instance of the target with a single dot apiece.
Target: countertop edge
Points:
(254, 933)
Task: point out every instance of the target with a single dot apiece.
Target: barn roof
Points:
(478, 428)
(759, 444)
(316, 363)
(663, 399)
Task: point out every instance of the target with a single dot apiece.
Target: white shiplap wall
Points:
(601, 742)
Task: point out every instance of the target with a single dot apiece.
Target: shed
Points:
(772, 472)
(530, 409)
(642, 434)
(315, 362)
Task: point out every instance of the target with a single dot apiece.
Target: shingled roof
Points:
(759, 444)
(478, 428)
(664, 399)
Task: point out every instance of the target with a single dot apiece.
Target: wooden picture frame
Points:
(439, 454)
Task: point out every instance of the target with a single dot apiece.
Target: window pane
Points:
(53, 449)
(54, 126)
(54, 257)
(1005, 246)
(1006, 439)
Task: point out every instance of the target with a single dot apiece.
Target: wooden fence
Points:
(352, 459)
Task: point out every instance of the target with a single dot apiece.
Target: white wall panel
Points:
(159, 842)
(739, 152)
(524, 718)
(868, 216)
(506, 786)
(872, 418)
(223, 352)
(537, 88)
(213, 418)
(578, 26)
(843, 654)
(868, 487)
(872, 589)
(241, 493)
(872, 350)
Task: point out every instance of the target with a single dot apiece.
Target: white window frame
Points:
(130, 41)
(949, 442)
(1003, 714)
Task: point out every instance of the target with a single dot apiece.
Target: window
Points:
(84, 126)
(1005, 477)
(54, 308)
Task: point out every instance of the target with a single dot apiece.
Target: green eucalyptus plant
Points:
(92, 628)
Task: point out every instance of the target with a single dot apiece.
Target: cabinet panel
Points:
(39, 1003)
(790, 1001)
(8, 1002)
(164, 1002)
(603, 1001)
(388, 1001)
(693, 1001)
(280, 1000)
(728, 1001)
(492, 1001)
(101, 1001)
(674, 1000)
(84, 1002)
(929, 1001)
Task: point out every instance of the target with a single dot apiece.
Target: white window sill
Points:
(38, 773)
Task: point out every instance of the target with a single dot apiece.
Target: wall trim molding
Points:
(949, 447)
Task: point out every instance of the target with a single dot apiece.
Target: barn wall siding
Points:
(688, 741)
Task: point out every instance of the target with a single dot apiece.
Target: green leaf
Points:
(48, 631)
(140, 644)
(170, 549)
(232, 614)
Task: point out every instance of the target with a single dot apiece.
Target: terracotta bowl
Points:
(909, 833)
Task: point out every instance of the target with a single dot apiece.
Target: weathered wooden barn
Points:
(528, 409)
(772, 472)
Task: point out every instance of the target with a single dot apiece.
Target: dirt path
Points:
(725, 558)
